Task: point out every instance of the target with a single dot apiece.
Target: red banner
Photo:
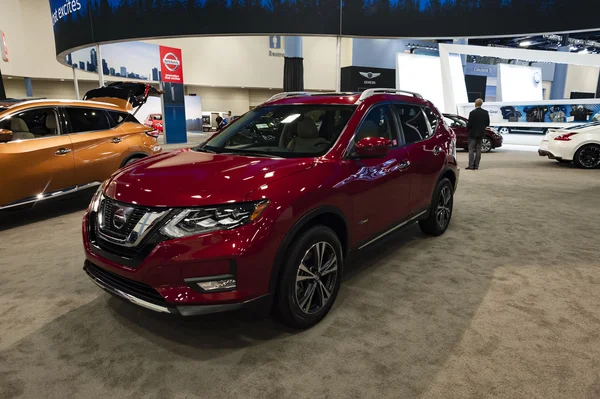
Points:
(171, 65)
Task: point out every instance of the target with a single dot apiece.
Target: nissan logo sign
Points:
(119, 218)
(171, 62)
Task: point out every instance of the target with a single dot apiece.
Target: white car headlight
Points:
(193, 221)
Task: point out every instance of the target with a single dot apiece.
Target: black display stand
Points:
(293, 74)
(2, 91)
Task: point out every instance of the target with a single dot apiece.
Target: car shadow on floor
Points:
(401, 311)
(11, 218)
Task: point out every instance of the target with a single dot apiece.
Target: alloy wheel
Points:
(316, 277)
(486, 145)
(589, 157)
(444, 208)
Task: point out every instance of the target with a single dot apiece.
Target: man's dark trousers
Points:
(475, 152)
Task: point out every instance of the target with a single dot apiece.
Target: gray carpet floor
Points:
(505, 305)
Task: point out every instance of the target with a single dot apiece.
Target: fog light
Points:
(217, 285)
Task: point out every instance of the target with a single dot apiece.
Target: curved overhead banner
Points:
(97, 21)
(79, 23)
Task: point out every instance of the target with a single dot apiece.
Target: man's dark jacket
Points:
(479, 120)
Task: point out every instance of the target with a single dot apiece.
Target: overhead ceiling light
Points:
(526, 43)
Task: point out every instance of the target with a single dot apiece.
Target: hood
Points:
(187, 178)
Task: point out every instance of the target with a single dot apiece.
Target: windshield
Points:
(157, 117)
(586, 125)
(290, 131)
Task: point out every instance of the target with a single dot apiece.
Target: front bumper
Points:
(497, 142)
(147, 297)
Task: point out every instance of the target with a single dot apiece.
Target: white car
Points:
(579, 144)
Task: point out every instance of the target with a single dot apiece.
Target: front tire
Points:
(486, 144)
(440, 210)
(310, 279)
(588, 156)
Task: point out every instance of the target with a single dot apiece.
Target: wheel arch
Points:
(137, 154)
(329, 216)
(449, 173)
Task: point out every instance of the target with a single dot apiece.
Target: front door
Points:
(98, 147)
(38, 160)
(425, 146)
(379, 187)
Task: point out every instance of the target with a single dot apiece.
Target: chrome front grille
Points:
(126, 224)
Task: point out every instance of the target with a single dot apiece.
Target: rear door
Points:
(420, 127)
(39, 158)
(99, 148)
(378, 187)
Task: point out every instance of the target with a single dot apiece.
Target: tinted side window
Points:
(413, 122)
(377, 123)
(87, 119)
(116, 118)
(433, 119)
(32, 124)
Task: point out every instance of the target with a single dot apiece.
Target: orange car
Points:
(50, 148)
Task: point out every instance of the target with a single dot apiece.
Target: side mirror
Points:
(5, 135)
(373, 147)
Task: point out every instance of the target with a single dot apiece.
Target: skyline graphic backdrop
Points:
(96, 21)
(131, 60)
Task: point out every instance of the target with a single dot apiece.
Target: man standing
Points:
(479, 120)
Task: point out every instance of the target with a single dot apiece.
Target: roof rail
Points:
(371, 92)
(287, 94)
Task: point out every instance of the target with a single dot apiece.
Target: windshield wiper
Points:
(199, 148)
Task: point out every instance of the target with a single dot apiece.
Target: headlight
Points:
(194, 221)
(97, 199)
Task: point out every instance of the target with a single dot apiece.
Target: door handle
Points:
(63, 151)
(404, 165)
(116, 140)
(437, 150)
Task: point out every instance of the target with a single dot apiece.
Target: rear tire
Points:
(310, 279)
(504, 130)
(588, 156)
(440, 210)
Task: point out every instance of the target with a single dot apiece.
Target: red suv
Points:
(266, 212)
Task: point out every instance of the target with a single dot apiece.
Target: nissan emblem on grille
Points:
(119, 218)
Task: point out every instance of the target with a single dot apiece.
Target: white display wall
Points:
(519, 83)
(423, 74)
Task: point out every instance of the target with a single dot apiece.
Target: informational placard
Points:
(3, 47)
(171, 67)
